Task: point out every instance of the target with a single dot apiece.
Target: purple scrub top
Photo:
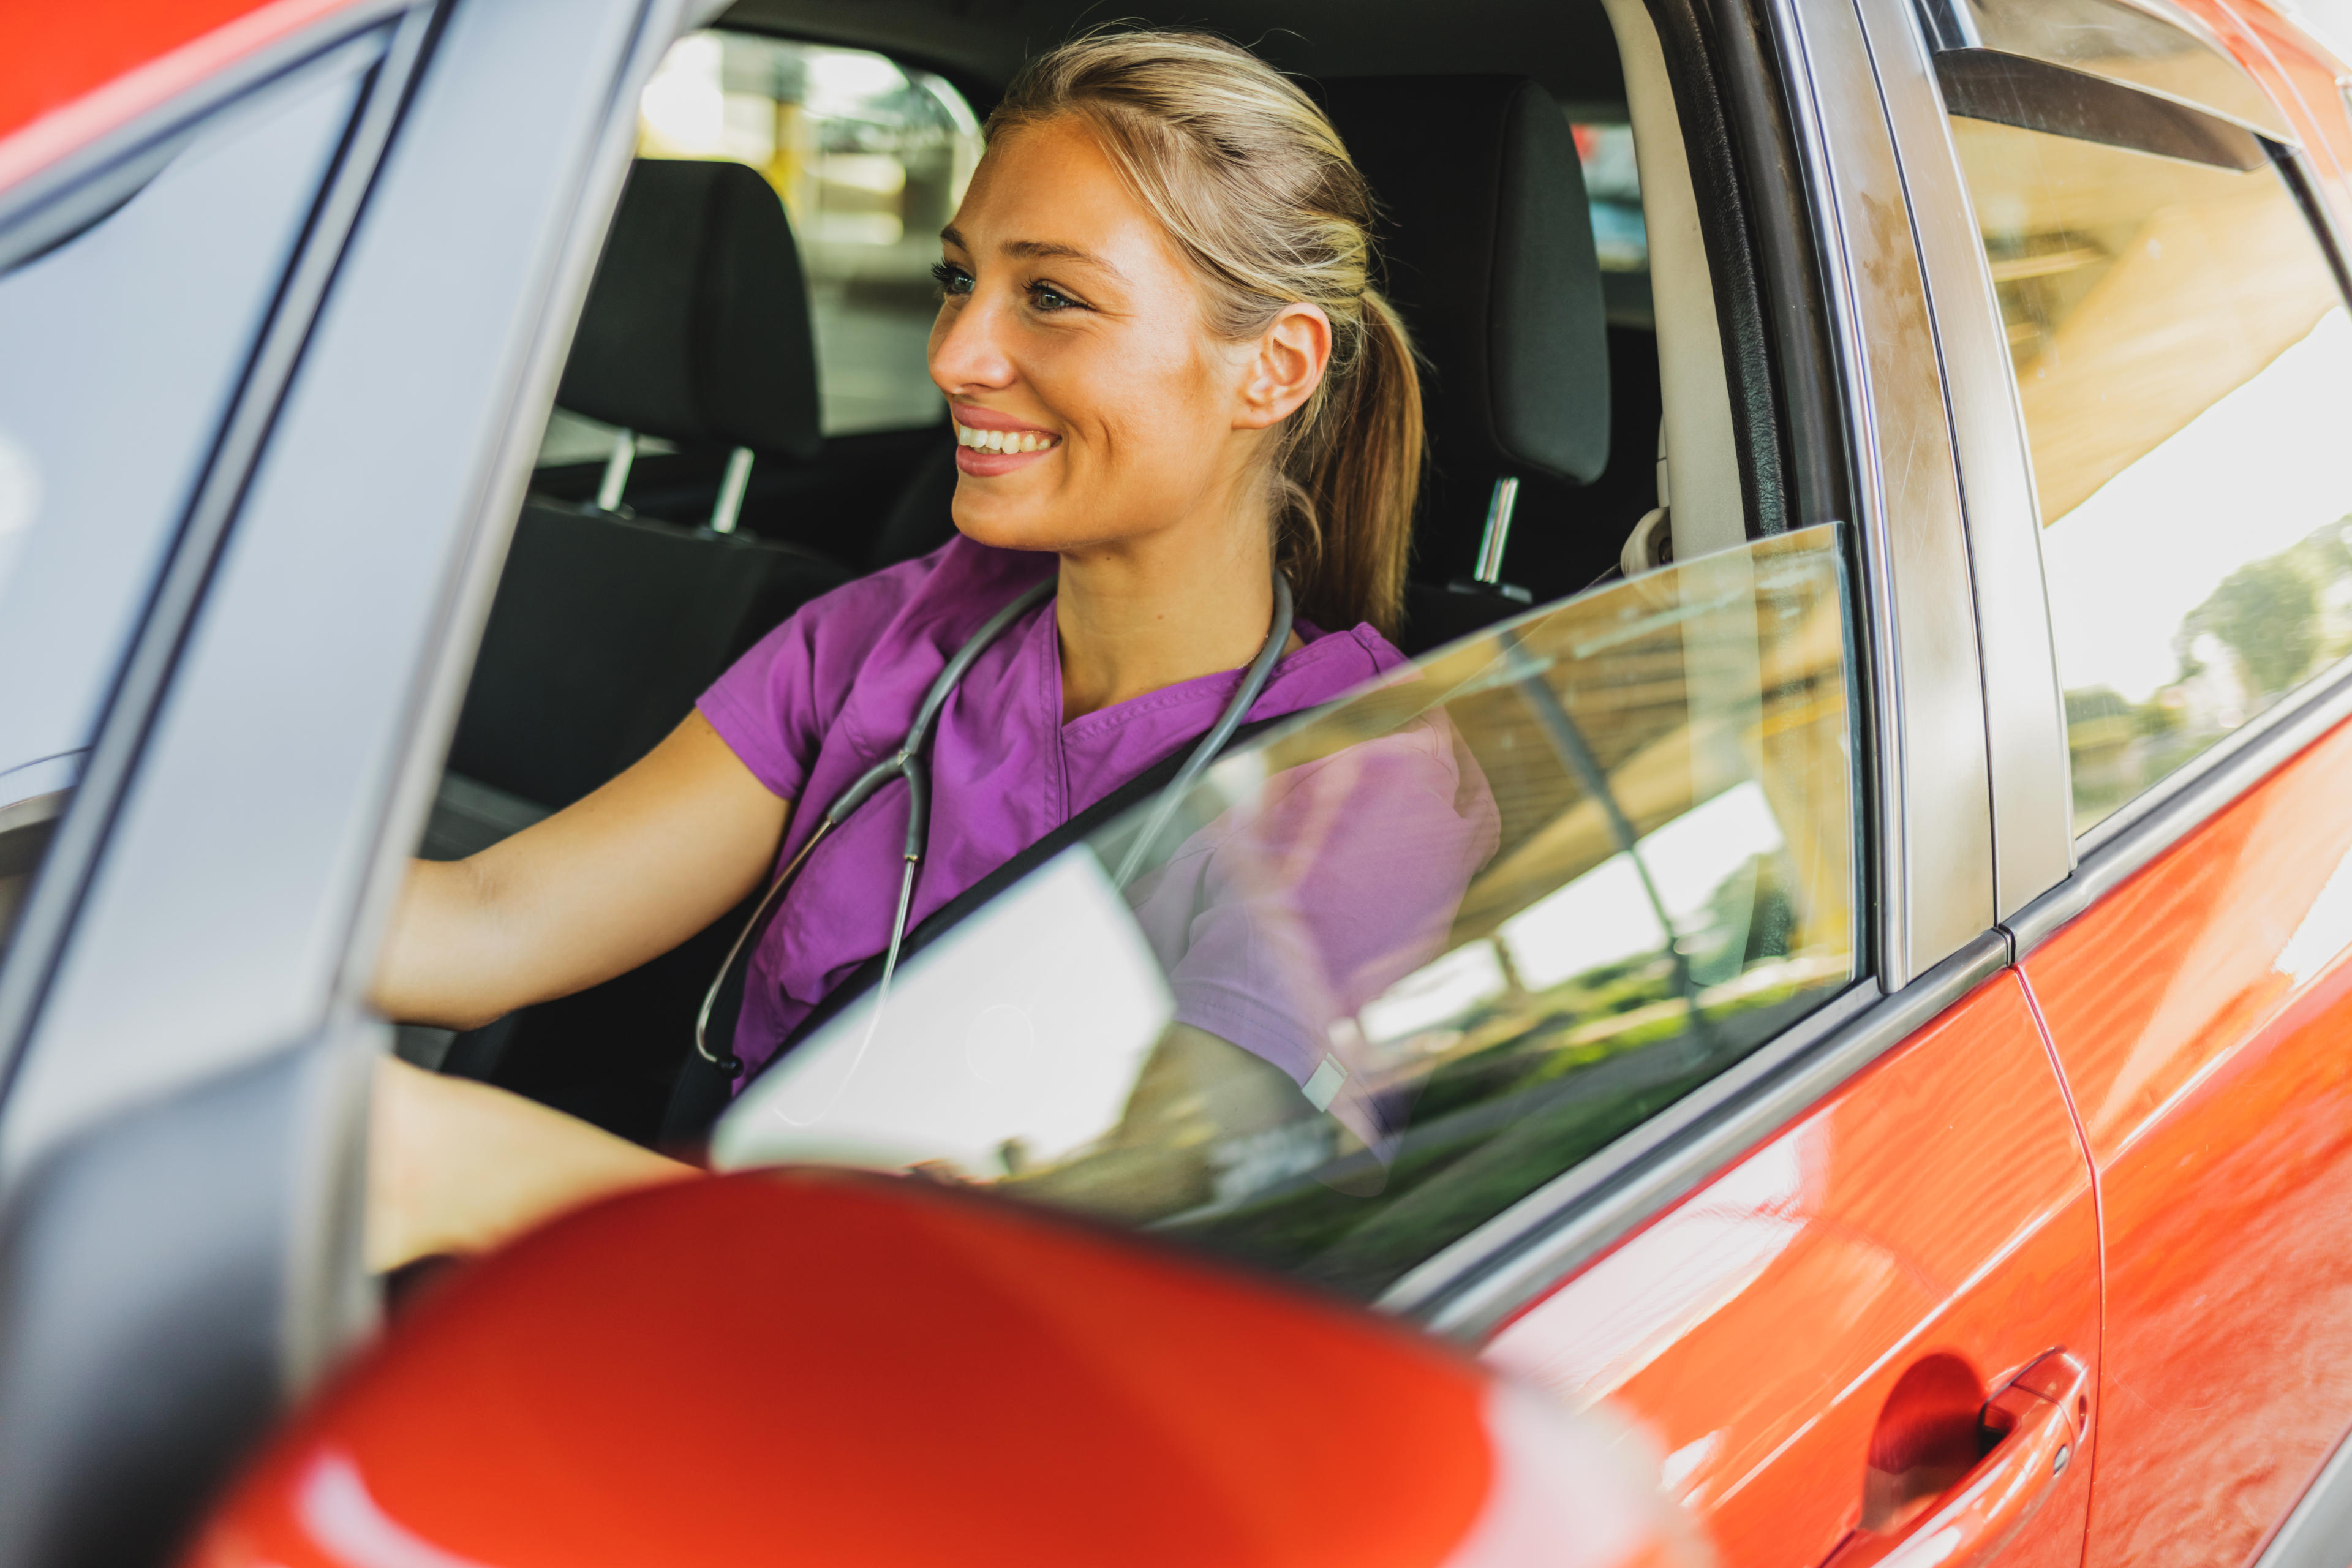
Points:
(833, 691)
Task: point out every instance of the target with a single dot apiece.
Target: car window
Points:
(1391, 968)
(123, 342)
(870, 158)
(1621, 237)
(2147, 43)
(2184, 361)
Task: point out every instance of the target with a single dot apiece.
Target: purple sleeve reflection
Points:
(1278, 922)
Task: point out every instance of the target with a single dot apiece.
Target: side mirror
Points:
(834, 1369)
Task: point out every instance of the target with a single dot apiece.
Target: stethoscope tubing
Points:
(906, 762)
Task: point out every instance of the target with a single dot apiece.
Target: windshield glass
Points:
(1394, 967)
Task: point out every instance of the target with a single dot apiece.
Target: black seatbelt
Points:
(703, 1091)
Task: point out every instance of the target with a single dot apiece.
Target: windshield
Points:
(1395, 965)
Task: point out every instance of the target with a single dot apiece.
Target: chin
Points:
(1003, 523)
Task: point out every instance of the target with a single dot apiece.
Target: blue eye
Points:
(952, 279)
(1045, 296)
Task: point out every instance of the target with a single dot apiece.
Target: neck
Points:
(1158, 610)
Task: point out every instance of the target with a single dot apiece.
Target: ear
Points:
(1286, 367)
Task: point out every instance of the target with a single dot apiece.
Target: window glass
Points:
(1620, 238)
(2147, 43)
(1389, 970)
(870, 158)
(2185, 362)
(123, 341)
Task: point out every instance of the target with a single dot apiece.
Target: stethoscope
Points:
(907, 764)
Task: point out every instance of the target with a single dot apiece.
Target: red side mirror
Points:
(824, 1369)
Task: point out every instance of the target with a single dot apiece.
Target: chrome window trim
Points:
(368, 541)
(1474, 1287)
(1932, 835)
(2032, 782)
(2178, 805)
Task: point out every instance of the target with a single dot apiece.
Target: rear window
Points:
(2184, 362)
(870, 158)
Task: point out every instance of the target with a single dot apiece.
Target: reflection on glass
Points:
(2147, 43)
(1394, 967)
(870, 158)
(2185, 362)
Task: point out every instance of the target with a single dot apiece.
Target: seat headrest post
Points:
(729, 504)
(616, 471)
(1492, 543)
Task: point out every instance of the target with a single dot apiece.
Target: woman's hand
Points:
(591, 892)
(457, 1166)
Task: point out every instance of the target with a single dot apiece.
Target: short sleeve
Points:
(1341, 878)
(766, 706)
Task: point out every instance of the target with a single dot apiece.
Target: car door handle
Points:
(2038, 1422)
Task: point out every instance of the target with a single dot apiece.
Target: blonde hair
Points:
(1251, 183)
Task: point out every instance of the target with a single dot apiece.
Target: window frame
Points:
(1913, 828)
(425, 539)
(2048, 873)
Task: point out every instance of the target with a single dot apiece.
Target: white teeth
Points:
(1003, 440)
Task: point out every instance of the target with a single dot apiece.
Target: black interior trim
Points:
(1819, 458)
(1692, 66)
(2035, 95)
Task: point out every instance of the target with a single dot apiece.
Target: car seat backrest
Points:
(607, 627)
(1488, 241)
(697, 324)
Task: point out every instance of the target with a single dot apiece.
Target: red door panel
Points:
(2204, 1023)
(1934, 1213)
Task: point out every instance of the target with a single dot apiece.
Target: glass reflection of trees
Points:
(1672, 887)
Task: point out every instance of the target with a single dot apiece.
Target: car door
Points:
(1809, 1323)
(2164, 274)
(266, 344)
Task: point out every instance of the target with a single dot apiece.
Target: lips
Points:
(989, 443)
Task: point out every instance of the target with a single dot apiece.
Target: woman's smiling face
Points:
(1092, 404)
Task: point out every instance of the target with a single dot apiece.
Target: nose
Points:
(968, 351)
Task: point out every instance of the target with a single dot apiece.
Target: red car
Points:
(1870, 1029)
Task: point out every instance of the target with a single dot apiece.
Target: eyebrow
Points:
(1036, 249)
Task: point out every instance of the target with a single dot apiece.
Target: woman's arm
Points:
(455, 1166)
(594, 890)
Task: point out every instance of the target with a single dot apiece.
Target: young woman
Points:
(1170, 373)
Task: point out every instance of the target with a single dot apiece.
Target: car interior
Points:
(745, 421)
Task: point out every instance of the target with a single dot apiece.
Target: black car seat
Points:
(607, 627)
(1490, 260)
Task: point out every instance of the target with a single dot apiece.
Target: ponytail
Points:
(1251, 183)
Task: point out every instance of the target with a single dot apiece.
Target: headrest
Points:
(1490, 262)
(697, 327)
